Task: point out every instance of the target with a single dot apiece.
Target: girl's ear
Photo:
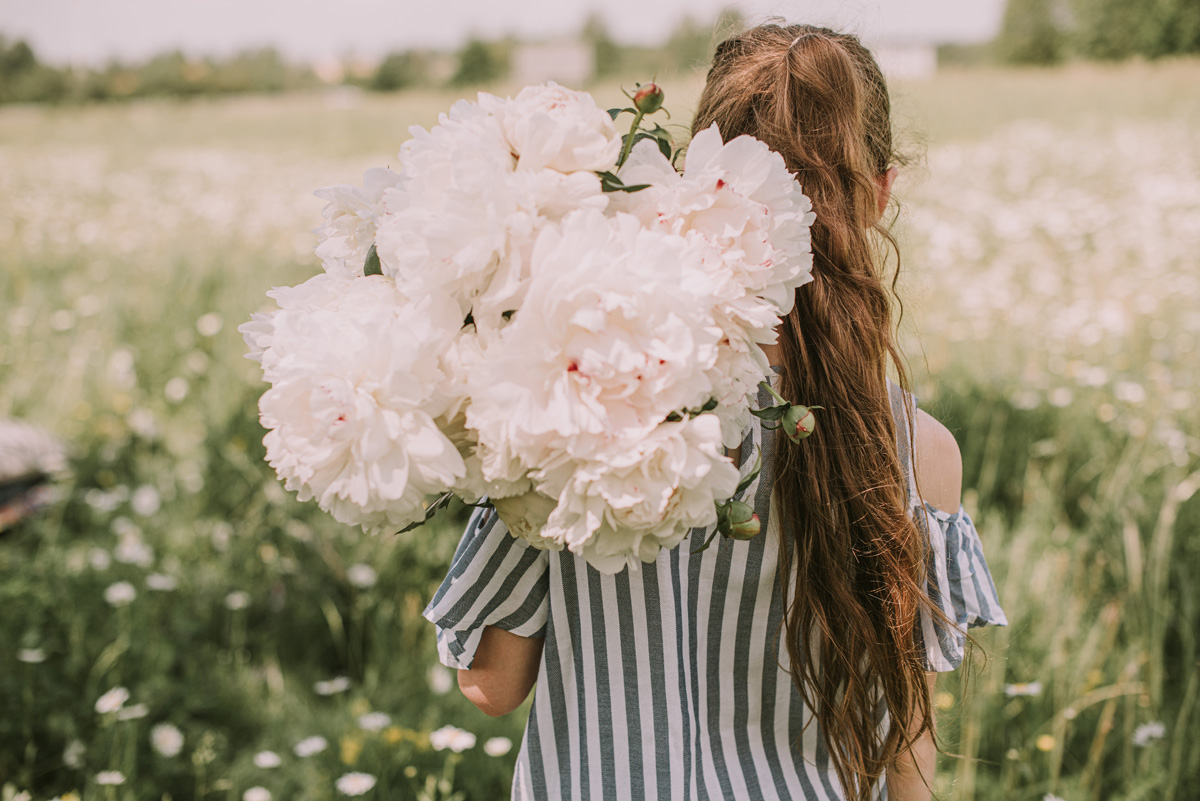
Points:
(884, 182)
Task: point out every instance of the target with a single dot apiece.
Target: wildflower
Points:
(145, 500)
(120, 593)
(237, 600)
(393, 735)
(112, 700)
(257, 794)
(441, 680)
(31, 656)
(1144, 734)
(497, 746)
(1045, 742)
(310, 746)
(176, 389)
(99, 559)
(1033, 688)
(373, 721)
(110, 777)
(267, 760)
(209, 325)
(333, 686)
(1052, 797)
(351, 748)
(133, 551)
(166, 739)
(73, 754)
(133, 712)
(161, 582)
(362, 576)
(453, 738)
(355, 783)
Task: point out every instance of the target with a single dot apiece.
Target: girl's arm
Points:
(503, 672)
(938, 465)
(913, 770)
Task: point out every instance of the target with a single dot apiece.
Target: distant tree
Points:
(606, 53)
(1031, 32)
(23, 79)
(690, 45)
(478, 63)
(401, 70)
(1169, 27)
(1110, 29)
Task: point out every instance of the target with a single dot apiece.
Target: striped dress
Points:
(665, 681)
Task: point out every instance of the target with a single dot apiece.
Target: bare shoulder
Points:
(937, 462)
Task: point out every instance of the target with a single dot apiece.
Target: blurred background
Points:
(177, 626)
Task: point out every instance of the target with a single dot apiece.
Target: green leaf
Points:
(771, 412)
(617, 112)
(432, 509)
(372, 266)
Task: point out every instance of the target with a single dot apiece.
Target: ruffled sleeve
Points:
(496, 580)
(959, 582)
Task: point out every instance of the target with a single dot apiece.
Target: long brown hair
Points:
(850, 554)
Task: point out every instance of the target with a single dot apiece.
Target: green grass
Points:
(1051, 281)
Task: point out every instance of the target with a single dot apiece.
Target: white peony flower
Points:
(645, 496)
(466, 216)
(267, 760)
(453, 738)
(497, 746)
(310, 746)
(357, 384)
(556, 127)
(374, 721)
(352, 215)
(526, 515)
(166, 739)
(739, 198)
(612, 337)
(112, 700)
(355, 783)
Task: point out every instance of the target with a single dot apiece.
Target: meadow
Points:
(178, 626)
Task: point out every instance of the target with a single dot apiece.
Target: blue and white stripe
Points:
(668, 681)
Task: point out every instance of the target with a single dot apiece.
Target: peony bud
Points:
(648, 99)
(798, 423)
(744, 523)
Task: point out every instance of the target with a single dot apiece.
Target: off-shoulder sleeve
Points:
(496, 580)
(959, 582)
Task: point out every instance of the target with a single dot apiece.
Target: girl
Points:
(799, 664)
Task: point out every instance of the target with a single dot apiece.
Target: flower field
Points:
(176, 625)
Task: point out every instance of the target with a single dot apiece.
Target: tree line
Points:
(26, 79)
(1050, 31)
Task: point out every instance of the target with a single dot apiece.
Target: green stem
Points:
(773, 393)
(633, 129)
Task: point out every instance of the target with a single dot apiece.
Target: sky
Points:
(94, 31)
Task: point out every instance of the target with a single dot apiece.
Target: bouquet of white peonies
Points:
(537, 312)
